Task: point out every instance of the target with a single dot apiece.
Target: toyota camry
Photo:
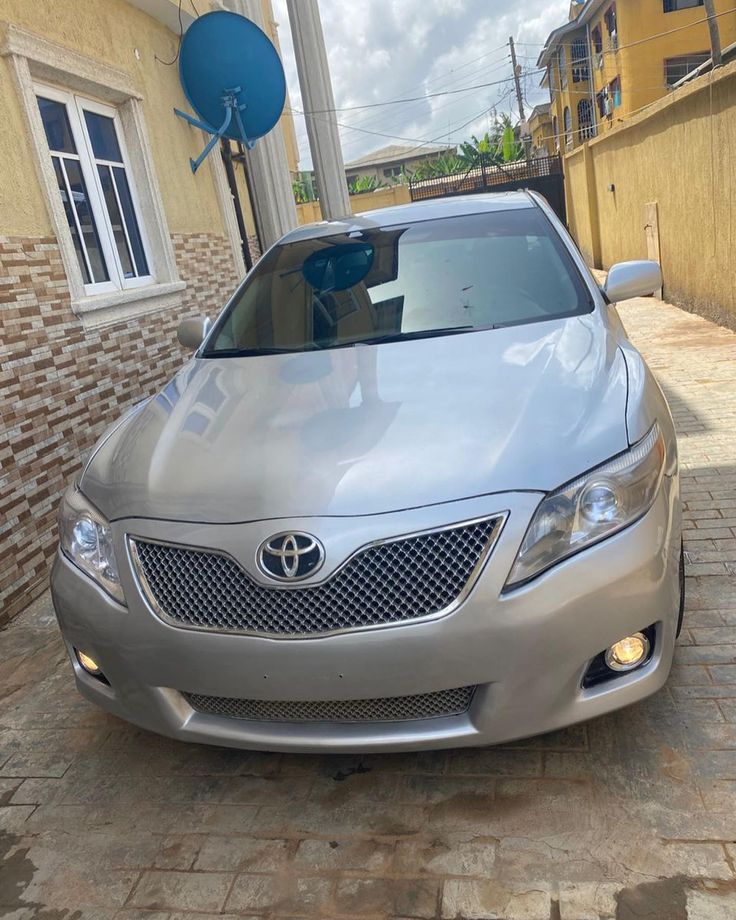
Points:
(414, 489)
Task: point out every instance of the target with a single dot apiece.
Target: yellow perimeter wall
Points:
(681, 154)
(368, 201)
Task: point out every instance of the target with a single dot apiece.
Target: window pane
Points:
(70, 220)
(91, 238)
(116, 221)
(56, 124)
(103, 137)
(678, 68)
(671, 6)
(131, 224)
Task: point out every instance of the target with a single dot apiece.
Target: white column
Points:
(273, 197)
(317, 97)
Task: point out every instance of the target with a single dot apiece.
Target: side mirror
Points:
(191, 331)
(632, 279)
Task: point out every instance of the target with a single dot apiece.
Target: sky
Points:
(381, 50)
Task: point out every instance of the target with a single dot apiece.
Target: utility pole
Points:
(319, 107)
(520, 99)
(715, 35)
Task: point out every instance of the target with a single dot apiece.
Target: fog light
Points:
(89, 664)
(628, 653)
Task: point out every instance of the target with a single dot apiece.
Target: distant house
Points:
(389, 163)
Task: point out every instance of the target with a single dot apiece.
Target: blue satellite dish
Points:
(233, 78)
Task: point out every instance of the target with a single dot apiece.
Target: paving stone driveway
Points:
(631, 816)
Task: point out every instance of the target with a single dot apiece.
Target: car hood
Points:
(368, 429)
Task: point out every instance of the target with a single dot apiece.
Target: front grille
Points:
(389, 582)
(390, 709)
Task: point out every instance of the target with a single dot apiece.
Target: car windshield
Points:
(436, 277)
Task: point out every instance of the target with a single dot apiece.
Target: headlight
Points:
(86, 539)
(591, 508)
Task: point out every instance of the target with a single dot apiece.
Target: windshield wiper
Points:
(254, 352)
(420, 334)
(375, 340)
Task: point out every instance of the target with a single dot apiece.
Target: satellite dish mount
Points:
(233, 110)
(221, 50)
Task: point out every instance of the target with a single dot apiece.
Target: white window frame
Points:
(35, 62)
(75, 107)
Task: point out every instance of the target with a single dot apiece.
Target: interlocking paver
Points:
(281, 894)
(203, 891)
(633, 812)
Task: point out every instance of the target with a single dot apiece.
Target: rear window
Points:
(438, 277)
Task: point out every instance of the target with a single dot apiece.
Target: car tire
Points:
(681, 614)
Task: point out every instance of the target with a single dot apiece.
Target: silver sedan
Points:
(414, 489)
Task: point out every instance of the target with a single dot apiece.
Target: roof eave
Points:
(580, 20)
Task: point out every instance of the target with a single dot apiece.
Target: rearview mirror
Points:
(339, 267)
(192, 330)
(632, 279)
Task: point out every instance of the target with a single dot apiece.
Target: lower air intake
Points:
(388, 709)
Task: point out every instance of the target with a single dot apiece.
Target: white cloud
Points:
(381, 50)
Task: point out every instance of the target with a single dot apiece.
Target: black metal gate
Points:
(543, 175)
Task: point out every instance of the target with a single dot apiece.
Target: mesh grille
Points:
(390, 709)
(387, 583)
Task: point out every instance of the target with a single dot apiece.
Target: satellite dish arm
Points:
(216, 135)
(195, 121)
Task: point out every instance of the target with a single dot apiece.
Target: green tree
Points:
(447, 164)
(361, 184)
(299, 188)
(495, 147)
(478, 150)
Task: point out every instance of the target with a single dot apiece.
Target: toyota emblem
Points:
(290, 556)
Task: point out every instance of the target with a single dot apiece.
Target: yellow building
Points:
(613, 57)
(107, 240)
(540, 129)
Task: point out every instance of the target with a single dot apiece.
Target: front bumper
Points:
(526, 651)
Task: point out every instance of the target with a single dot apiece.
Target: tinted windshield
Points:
(438, 277)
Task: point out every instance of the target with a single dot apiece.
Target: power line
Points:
(598, 134)
(450, 92)
(494, 66)
(400, 116)
(381, 130)
(398, 137)
(402, 112)
(639, 41)
(454, 70)
(356, 140)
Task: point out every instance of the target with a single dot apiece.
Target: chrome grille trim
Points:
(440, 704)
(428, 591)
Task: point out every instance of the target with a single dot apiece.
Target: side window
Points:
(676, 69)
(563, 67)
(94, 182)
(672, 6)
(567, 118)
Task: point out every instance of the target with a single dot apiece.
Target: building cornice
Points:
(166, 12)
(553, 39)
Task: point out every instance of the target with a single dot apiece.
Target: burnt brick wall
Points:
(61, 386)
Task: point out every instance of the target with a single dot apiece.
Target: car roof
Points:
(434, 209)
